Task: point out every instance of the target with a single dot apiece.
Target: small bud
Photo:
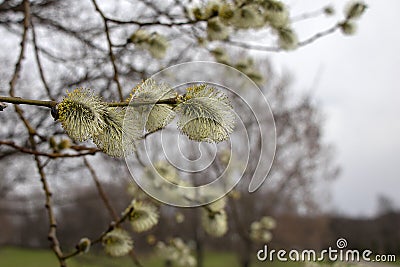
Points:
(220, 55)
(268, 222)
(84, 245)
(216, 30)
(235, 194)
(355, 10)
(53, 143)
(197, 13)
(277, 19)
(287, 38)
(211, 9)
(329, 10)
(179, 217)
(225, 156)
(226, 12)
(158, 46)
(151, 239)
(139, 36)
(273, 5)
(248, 16)
(64, 144)
(348, 28)
(155, 43)
(255, 77)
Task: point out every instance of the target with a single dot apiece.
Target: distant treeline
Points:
(25, 224)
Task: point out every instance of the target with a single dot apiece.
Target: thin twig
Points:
(110, 52)
(111, 227)
(90, 151)
(38, 61)
(278, 49)
(101, 191)
(17, 70)
(320, 34)
(308, 15)
(110, 209)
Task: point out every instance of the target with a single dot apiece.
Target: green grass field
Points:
(21, 257)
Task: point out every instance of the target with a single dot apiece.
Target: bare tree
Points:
(51, 46)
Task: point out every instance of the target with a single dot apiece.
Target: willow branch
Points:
(52, 234)
(169, 101)
(51, 103)
(320, 35)
(32, 102)
(154, 23)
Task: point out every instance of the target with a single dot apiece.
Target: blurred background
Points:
(334, 101)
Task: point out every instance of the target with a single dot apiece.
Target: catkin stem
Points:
(51, 104)
(32, 102)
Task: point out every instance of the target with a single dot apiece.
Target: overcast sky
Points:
(357, 86)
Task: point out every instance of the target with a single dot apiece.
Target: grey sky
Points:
(357, 88)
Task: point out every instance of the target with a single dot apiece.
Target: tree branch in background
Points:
(101, 191)
(52, 234)
(278, 49)
(110, 52)
(89, 151)
(38, 61)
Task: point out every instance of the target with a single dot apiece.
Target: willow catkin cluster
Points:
(155, 43)
(223, 17)
(111, 139)
(143, 216)
(214, 223)
(117, 242)
(153, 117)
(176, 251)
(213, 217)
(260, 231)
(84, 115)
(81, 114)
(248, 16)
(216, 30)
(205, 114)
